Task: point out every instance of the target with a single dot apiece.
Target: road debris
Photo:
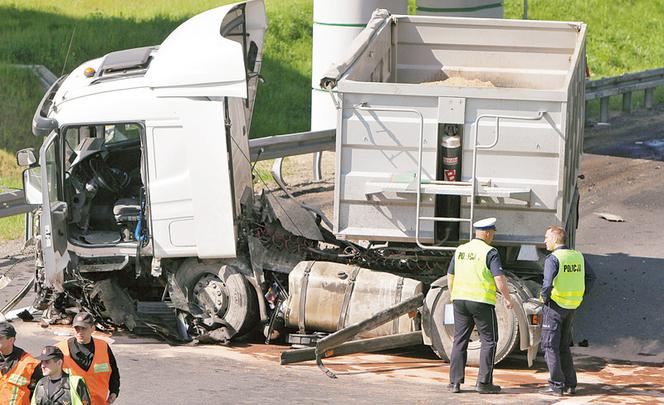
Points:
(4, 281)
(610, 217)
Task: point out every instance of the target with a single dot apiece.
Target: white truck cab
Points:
(146, 150)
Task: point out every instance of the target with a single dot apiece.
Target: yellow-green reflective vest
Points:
(473, 280)
(40, 391)
(569, 285)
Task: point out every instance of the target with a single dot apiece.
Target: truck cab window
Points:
(103, 183)
(121, 133)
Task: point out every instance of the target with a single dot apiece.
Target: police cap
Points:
(485, 224)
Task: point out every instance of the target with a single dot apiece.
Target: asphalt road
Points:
(155, 373)
(623, 172)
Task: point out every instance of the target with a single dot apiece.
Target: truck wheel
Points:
(222, 292)
(442, 335)
(241, 312)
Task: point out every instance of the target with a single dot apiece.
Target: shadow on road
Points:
(622, 318)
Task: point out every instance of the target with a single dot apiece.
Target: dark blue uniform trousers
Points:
(557, 325)
(467, 315)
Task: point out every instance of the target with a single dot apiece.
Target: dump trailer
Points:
(443, 121)
(148, 217)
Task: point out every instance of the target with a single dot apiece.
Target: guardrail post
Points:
(604, 109)
(627, 102)
(277, 172)
(649, 93)
(28, 226)
(317, 166)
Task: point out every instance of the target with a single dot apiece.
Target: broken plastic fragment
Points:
(610, 217)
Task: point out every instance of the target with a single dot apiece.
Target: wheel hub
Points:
(211, 294)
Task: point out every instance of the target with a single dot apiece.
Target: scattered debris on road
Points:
(610, 217)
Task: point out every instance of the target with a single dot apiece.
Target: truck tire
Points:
(442, 335)
(239, 311)
(242, 312)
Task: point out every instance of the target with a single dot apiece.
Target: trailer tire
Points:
(442, 335)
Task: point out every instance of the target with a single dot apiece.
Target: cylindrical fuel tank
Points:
(461, 8)
(327, 296)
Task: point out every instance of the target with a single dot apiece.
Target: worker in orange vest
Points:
(19, 371)
(91, 359)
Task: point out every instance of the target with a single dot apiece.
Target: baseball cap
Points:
(50, 352)
(7, 330)
(84, 319)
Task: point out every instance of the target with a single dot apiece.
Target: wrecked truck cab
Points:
(145, 159)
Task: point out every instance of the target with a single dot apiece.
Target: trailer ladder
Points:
(470, 188)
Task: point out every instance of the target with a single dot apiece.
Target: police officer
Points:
(473, 274)
(91, 359)
(19, 371)
(567, 280)
(58, 387)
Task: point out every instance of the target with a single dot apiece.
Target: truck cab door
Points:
(53, 221)
(211, 59)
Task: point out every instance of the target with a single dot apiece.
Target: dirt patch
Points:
(11, 248)
(297, 172)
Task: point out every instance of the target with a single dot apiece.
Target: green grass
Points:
(20, 93)
(623, 36)
(10, 178)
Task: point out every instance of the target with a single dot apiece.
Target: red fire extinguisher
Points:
(449, 169)
(451, 149)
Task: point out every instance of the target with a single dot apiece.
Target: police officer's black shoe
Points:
(487, 388)
(570, 390)
(551, 391)
(455, 388)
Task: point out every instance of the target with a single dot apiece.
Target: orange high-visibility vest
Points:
(14, 386)
(97, 377)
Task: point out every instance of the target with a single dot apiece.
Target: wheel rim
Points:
(222, 293)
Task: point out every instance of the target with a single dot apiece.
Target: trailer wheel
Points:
(222, 292)
(442, 335)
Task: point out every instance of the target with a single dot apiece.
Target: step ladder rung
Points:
(444, 219)
(448, 183)
(460, 189)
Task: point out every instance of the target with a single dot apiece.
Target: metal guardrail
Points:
(13, 203)
(624, 85)
(45, 76)
(300, 143)
(280, 146)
